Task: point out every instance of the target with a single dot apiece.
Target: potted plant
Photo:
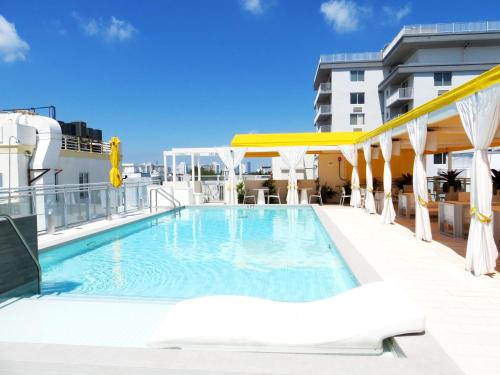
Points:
(269, 183)
(405, 182)
(451, 181)
(327, 194)
(240, 190)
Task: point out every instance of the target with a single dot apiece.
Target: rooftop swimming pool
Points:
(278, 253)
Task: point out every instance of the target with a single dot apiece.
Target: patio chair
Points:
(276, 196)
(343, 196)
(247, 196)
(318, 196)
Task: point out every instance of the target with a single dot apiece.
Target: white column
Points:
(174, 172)
(192, 168)
(165, 166)
(199, 170)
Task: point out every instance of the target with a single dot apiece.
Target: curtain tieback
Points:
(422, 201)
(370, 190)
(485, 219)
(354, 187)
(291, 186)
(388, 195)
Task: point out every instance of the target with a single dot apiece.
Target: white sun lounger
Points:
(355, 321)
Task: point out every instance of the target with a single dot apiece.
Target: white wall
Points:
(456, 55)
(72, 163)
(342, 87)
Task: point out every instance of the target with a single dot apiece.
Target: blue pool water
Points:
(277, 253)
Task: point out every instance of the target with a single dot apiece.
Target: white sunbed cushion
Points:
(356, 321)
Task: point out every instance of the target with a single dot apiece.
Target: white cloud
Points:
(252, 6)
(119, 29)
(343, 15)
(114, 29)
(397, 15)
(12, 47)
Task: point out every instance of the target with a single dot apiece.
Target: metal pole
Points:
(65, 207)
(88, 203)
(165, 167)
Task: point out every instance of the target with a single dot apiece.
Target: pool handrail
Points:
(166, 195)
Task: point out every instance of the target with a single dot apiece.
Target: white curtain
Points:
(350, 152)
(231, 157)
(417, 130)
(369, 200)
(291, 157)
(480, 114)
(388, 213)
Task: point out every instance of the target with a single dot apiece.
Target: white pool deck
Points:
(462, 311)
(463, 315)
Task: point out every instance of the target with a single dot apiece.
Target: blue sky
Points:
(164, 74)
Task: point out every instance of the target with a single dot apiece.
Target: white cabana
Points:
(417, 131)
(369, 200)
(350, 152)
(388, 213)
(231, 157)
(291, 157)
(480, 114)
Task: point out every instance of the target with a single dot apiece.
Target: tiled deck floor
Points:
(458, 245)
(463, 311)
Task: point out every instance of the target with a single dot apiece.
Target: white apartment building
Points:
(360, 91)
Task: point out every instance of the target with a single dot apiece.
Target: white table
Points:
(303, 195)
(261, 196)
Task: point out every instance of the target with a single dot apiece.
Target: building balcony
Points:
(400, 96)
(80, 144)
(323, 112)
(324, 90)
(324, 128)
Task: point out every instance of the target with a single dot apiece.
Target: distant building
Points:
(181, 168)
(215, 167)
(249, 167)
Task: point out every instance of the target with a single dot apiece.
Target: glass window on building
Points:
(357, 119)
(83, 178)
(440, 158)
(357, 98)
(357, 75)
(442, 79)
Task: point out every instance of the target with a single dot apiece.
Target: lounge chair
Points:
(317, 196)
(343, 196)
(356, 321)
(275, 196)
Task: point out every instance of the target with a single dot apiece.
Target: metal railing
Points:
(324, 128)
(444, 28)
(73, 204)
(323, 109)
(165, 195)
(349, 57)
(84, 145)
(27, 247)
(402, 93)
(325, 87)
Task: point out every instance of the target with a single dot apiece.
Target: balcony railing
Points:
(444, 28)
(349, 57)
(84, 145)
(324, 109)
(324, 128)
(325, 88)
(401, 94)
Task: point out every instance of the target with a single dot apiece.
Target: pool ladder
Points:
(30, 252)
(164, 194)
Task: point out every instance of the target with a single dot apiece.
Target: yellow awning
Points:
(295, 139)
(114, 174)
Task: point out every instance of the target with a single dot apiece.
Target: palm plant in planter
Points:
(451, 180)
(495, 178)
(240, 190)
(405, 180)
